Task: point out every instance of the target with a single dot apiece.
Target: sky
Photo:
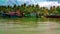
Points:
(41, 3)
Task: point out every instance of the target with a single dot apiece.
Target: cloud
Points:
(48, 4)
(41, 3)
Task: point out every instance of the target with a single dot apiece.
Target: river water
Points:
(30, 26)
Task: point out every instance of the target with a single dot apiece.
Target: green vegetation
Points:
(32, 8)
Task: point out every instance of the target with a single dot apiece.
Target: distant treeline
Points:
(30, 9)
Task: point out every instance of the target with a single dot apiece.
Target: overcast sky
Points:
(40, 2)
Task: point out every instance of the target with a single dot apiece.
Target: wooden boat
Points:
(52, 16)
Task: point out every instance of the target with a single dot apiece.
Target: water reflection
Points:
(29, 26)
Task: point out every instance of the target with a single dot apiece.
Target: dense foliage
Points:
(31, 8)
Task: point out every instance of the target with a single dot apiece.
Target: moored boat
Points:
(52, 16)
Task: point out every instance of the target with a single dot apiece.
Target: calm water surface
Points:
(30, 26)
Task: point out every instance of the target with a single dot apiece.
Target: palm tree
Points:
(53, 10)
(58, 9)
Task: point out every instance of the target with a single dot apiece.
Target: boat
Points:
(52, 16)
